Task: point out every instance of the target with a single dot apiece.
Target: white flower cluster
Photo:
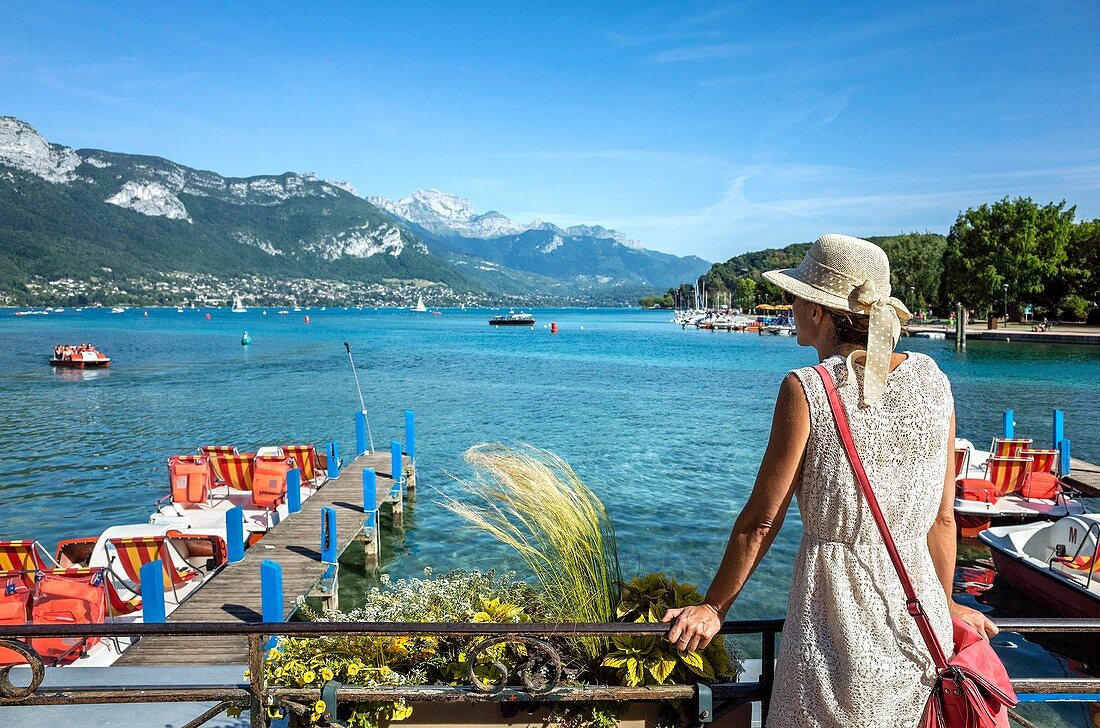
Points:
(454, 597)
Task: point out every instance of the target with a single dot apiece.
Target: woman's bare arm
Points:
(942, 545)
(758, 524)
(941, 537)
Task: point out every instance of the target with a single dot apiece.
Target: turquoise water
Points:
(666, 425)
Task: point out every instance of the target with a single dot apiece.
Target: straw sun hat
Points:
(853, 276)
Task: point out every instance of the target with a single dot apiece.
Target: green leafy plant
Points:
(652, 660)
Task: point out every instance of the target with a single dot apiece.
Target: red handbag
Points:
(972, 689)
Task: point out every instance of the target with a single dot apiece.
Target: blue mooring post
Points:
(1063, 457)
(333, 461)
(370, 523)
(370, 491)
(234, 534)
(1009, 426)
(397, 465)
(294, 490)
(360, 432)
(410, 434)
(152, 592)
(1059, 428)
(328, 535)
(271, 595)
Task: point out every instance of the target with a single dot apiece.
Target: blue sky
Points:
(704, 128)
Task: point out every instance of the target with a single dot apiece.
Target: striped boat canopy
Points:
(305, 459)
(25, 555)
(133, 552)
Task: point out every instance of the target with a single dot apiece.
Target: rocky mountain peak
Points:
(22, 147)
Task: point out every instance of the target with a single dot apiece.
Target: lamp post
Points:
(1004, 286)
(912, 297)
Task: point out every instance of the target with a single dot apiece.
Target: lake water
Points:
(666, 425)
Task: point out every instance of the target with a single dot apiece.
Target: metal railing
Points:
(538, 683)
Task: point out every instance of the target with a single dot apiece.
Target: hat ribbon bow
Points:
(886, 313)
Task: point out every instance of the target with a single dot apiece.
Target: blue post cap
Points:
(360, 432)
(151, 576)
(294, 490)
(333, 460)
(234, 534)
(1009, 424)
(410, 434)
(271, 591)
(397, 463)
(329, 551)
(370, 490)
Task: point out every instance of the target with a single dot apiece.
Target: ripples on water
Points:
(666, 425)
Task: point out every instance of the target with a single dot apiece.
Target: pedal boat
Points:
(81, 356)
(1053, 563)
(1013, 485)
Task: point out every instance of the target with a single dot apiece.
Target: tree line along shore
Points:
(1011, 255)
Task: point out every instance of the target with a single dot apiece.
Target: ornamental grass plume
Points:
(532, 501)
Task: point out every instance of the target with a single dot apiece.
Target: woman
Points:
(850, 655)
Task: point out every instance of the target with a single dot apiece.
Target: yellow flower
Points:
(326, 674)
(319, 706)
(399, 646)
(307, 677)
(353, 669)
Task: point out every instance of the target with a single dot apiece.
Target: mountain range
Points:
(90, 213)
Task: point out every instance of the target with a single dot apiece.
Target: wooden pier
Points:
(1085, 477)
(233, 593)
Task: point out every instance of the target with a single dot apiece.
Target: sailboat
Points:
(238, 307)
(420, 307)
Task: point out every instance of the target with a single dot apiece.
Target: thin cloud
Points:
(702, 53)
(633, 156)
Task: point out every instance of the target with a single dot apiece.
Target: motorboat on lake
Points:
(78, 356)
(1053, 563)
(513, 319)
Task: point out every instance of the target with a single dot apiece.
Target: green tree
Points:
(1083, 268)
(1013, 242)
(916, 267)
(746, 292)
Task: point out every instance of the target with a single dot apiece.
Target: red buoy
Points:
(553, 327)
(207, 317)
(307, 319)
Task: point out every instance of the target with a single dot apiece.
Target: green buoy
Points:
(246, 340)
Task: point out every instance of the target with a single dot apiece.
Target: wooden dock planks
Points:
(1085, 477)
(233, 594)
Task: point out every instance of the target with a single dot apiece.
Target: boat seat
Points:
(68, 596)
(1041, 483)
(976, 489)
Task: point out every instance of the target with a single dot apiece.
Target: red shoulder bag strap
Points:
(913, 604)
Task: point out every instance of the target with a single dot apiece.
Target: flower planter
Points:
(475, 715)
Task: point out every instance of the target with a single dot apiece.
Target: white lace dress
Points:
(850, 655)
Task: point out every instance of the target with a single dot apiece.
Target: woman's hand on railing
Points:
(692, 627)
(983, 624)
